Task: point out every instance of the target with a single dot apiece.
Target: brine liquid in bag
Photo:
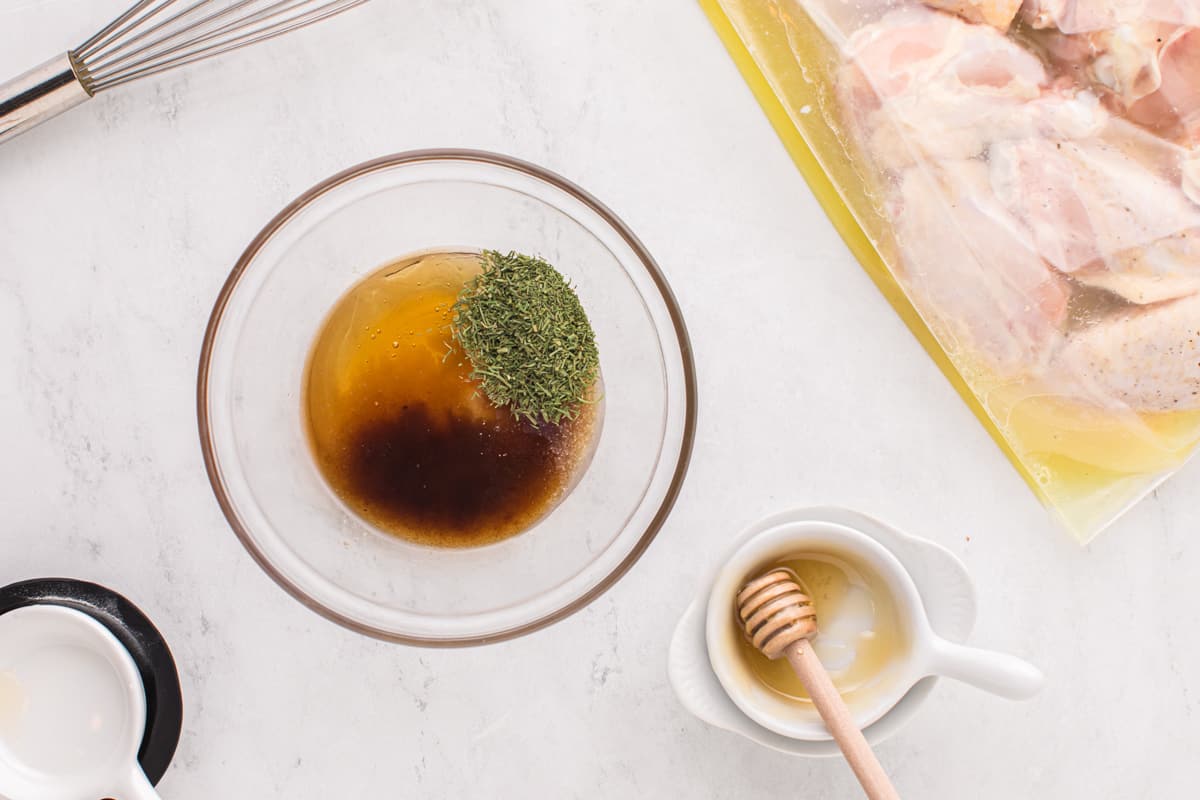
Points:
(1028, 177)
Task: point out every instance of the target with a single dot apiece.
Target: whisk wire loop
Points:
(150, 37)
(109, 29)
(98, 51)
(157, 35)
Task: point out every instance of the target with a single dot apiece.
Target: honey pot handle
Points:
(998, 673)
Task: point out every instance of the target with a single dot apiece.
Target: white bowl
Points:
(926, 653)
(940, 585)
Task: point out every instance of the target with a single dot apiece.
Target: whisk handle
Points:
(41, 93)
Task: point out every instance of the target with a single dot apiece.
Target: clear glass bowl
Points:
(252, 431)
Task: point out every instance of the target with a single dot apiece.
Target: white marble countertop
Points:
(119, 222)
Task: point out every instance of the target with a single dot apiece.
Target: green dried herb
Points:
(531, 345)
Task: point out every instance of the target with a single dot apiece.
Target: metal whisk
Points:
(151, 37)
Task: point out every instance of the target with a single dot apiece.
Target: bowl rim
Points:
(411, 157)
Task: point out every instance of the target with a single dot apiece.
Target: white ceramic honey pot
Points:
(916, 572)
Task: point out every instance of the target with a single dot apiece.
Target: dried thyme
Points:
(528, 338)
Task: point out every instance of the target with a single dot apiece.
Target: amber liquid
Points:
(402, 434)
(860, 639)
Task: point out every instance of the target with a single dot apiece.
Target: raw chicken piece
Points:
(950, 89)
(1083, 16)
(1149, 73)
(1125, 59)
(1148, 358)
(1174, 107)
(997, 13)
(972, 270)
(1146, 71)
(1097, 199)
(918, 51)
(1011, 191)
(925, 89)
(1102, 215)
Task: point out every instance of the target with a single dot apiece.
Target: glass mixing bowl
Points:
(252, 429)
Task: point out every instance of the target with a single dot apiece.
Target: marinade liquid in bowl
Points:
(407, 438)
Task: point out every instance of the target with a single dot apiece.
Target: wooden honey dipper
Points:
(779, 619)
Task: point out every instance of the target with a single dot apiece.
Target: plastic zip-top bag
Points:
(1023, 182)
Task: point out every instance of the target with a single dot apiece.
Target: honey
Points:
(402, 434)
(860, 639)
